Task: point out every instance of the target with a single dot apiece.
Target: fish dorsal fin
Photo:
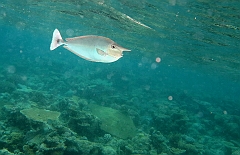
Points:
(101, 52)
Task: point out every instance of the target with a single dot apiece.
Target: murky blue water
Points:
(191, 96)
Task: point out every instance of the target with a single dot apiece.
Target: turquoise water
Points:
(188, 103)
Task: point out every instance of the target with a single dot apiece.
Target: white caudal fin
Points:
(56, 40)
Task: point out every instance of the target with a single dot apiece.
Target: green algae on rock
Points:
(40, 115)
(114, 122)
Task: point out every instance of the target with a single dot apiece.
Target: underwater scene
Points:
(120, 77)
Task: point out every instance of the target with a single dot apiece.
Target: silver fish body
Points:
(91, 47)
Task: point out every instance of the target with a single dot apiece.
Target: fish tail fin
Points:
(56, 40)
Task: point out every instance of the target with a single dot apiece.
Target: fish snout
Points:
(123, 49)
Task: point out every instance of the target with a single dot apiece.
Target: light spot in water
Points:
(101, 2)
(70, 32)
(49, 63)
(225, 112)
(177, 15)
(24, 78)
(140, 64)
(3, 14)
(124, 78)
(182, 2)
(198, 36)
(20, 25)
(200, 114)
(172, 2)
(144, 60)
(109, 76)
(11, 69)
(210, 12)
(37, 59)
(156, 44)
(170, 98)
(147, 87)
(158, 59)
(20, 51)
(153, 66)
(67, 74)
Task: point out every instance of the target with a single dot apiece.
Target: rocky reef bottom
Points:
(75, 126)
(78, 112)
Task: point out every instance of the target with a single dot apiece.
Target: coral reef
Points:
(7, 87)
(40, 115)
(140, 144)
(114, 122)
(76, 111)
(84, 124)
(38, 97)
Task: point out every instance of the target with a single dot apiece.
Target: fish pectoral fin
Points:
(101, 52)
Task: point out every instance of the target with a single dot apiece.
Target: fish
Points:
(90, 47)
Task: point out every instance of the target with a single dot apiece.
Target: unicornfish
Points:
(91, 47)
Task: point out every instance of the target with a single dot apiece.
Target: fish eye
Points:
(113, 46)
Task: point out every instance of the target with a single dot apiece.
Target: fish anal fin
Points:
(101, 52)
